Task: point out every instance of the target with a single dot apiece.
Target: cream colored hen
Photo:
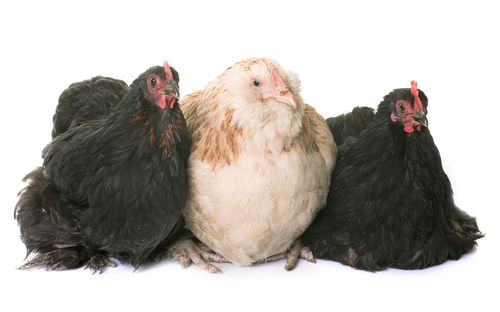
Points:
(259, 169)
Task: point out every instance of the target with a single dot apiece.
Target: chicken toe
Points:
(99, 262)
(293, 254)
(186, 251)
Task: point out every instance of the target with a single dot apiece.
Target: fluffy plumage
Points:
(260, 164)
(390, 204)
(114, 186)
(87, 100)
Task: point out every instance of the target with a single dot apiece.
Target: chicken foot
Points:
(98, 263)
(293, 254)
(186, 251)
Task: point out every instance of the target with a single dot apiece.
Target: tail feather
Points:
(58, 259)
(87, 100)
(46, 227)
(459, 240)
(350, 125)
(465, 229)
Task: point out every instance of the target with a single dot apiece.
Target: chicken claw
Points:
(186, 250)
(292, 256)
(99, 262)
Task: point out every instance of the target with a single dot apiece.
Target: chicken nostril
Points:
(421, 119)
(173, 93)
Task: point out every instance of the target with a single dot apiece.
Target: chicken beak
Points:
(171, 95)
(283, 96)
(286, 97)
(420, 120)
(279, 91)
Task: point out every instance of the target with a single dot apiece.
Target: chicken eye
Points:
(402, 107)
(256, 83)
(152, 81)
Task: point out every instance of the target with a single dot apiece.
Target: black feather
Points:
(113, 186)
(87, 100)
(350, 125)
(390, 202)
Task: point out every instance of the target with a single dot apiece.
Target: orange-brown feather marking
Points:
(213, 143)
(219, 146)
(164, 140)
(309, 138)
(138, 115)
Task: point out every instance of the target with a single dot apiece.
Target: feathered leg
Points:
(57, 260)
(99, 261)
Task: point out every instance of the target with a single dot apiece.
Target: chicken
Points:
(87, 100)
(259, 169)
(110, 187)
(390, 203)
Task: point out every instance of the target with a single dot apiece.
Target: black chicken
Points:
(390, 202)
(114, 186)
(87, 100)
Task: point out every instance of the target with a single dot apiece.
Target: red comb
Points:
(417, 104)
(168, 72)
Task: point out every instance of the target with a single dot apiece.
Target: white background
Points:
(347, 54)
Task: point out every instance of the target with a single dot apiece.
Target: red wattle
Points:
(162, 102)
(409, 127)
(170, 100)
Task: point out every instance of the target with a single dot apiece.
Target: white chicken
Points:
(259, 169)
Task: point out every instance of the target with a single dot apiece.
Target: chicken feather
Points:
(260, 167)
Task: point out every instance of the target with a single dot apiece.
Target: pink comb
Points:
(417, 104)
(168, 72)
(278, 81)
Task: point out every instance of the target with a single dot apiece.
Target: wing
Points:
(316, 127)
(67, 158)
(87, 100)
(190, 105)
(134, 206)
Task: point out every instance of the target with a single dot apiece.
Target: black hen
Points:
(87, 100)
(390, 202)
(114, 186)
